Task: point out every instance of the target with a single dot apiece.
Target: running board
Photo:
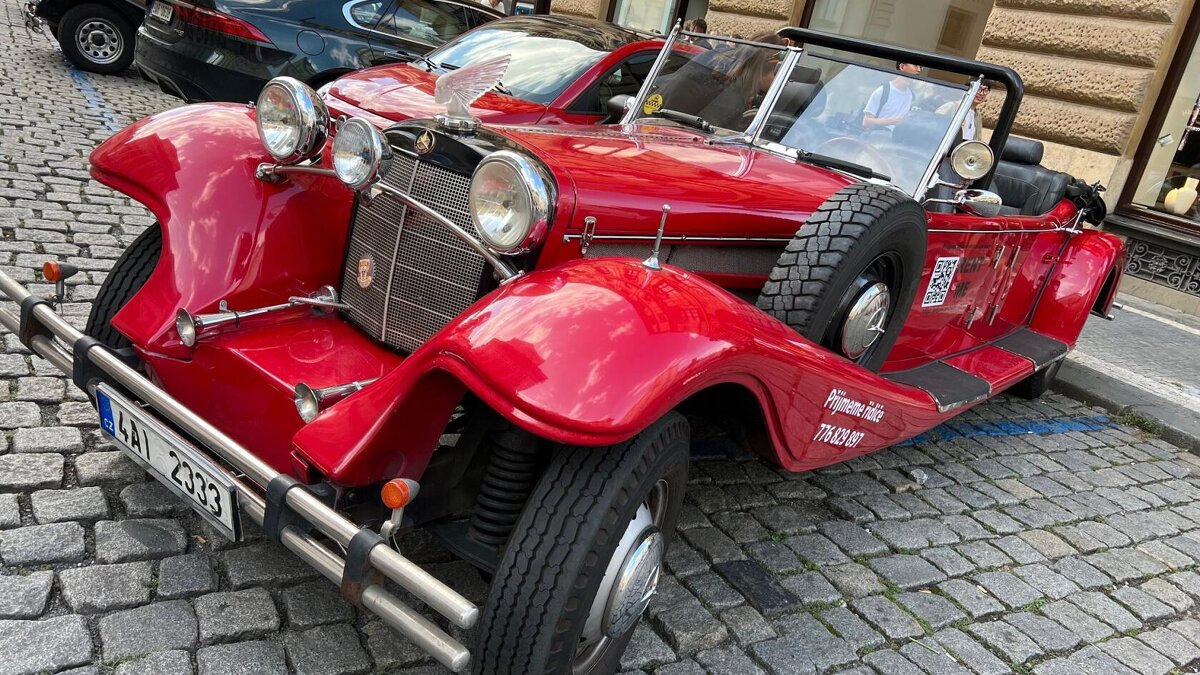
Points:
(1039, 349)
(950, 387)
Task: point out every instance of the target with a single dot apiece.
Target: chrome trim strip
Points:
(677, 238)
(943, 150)
(438, 596)
(268, 171)
(506, 273)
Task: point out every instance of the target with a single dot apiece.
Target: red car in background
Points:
(562, 70)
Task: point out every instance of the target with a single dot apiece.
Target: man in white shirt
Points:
(890, 103)
(972, 126)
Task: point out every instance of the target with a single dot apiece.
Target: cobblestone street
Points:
(1023, 537)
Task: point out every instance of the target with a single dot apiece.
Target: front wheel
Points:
(125, 279)
(585, 557)
(97, 38)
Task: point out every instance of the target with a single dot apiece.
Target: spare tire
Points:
(849, 276)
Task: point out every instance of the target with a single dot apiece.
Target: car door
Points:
(415, 27)
(362, 17)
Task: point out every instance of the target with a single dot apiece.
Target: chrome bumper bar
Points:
(42, 326)
(32, 20)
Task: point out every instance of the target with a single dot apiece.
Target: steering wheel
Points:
(854, 150)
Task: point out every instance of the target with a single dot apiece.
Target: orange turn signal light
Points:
(397, 493)
(52, 271)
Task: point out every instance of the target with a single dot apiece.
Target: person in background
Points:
(972, 126)
(890, 103)
(697, 25)
(497, 5)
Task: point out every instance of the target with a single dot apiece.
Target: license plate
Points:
(172, 460)
(162, 11)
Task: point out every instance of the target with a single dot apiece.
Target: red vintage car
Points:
(344, 327)
(563, 70)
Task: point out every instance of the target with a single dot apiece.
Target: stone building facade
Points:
(1100, 77)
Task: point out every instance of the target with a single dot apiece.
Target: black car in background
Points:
(96, 36)
(226, 50)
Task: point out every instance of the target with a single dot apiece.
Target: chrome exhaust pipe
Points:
(310, 402)
(191, 327)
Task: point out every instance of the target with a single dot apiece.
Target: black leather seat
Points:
(1025, 187)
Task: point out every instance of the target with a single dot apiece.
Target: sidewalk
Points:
(1143, 366)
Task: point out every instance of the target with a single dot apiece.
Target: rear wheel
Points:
(584, 558)
(1036, 384)
(97, 38)
(126, 278)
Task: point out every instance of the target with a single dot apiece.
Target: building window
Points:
(1169, 182)
(949, 26)
(652, 16)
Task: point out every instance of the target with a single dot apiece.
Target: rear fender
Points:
(593, 351)
(1085, 280)
(226, 234)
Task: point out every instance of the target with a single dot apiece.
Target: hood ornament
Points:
(458, 89)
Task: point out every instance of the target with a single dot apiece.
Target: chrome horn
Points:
(191, 327)
(310, 402)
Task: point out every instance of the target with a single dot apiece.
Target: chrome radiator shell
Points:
(421, 275)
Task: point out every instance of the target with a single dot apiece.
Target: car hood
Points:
(623, 176)
(401, 92)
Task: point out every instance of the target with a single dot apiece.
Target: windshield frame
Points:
(752, 136)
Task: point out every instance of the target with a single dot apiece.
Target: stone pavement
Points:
(1024, 537)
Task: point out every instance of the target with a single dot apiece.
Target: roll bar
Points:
(1014, 86)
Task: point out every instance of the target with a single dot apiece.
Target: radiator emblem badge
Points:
(366, 272)
(425, 143)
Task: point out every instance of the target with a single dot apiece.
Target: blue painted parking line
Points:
(95, 100)
(723, 447)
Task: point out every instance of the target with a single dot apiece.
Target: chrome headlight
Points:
(360, 153)
(510, 202)
(292, 120)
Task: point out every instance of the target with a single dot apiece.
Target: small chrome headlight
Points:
(292, 120)
(510, 202)
(972, 159)
(360, 153)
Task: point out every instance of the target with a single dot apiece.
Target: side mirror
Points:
(618, 104)
(978, 202)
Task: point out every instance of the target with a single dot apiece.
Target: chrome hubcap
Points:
(635, 584)
(99, 41)
(865, 320)
(629, 582)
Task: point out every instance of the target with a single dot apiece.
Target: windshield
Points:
(542, 66)
(890, 122)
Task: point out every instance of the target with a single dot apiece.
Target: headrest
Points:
(806, 75)
(1022, 151)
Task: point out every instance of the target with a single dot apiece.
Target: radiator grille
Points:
(424, 275)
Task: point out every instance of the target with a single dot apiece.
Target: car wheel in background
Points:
(584, 559)
(126, 278)
(1036, 384)
(848, 277)
(96, 38)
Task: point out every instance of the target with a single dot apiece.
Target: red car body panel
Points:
(582, 351)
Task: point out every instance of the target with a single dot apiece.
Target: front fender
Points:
(593, 351)
(1090, 264)
(226, 234)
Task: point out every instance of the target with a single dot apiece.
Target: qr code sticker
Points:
(940, 282)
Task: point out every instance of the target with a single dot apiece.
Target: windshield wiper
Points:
(684, 118)
(502, 89)
(839, 164)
